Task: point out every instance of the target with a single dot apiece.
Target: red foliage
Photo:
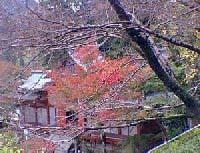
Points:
(38, 145)
(100, 75)
(107, 114)
(95, 81)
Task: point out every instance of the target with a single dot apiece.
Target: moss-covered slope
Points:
(188, 142)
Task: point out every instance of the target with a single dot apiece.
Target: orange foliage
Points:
(73, 90)
(7, 71)
(38, 145)
(105, 114)
(99, 77)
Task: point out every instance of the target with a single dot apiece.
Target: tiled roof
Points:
(37, 80)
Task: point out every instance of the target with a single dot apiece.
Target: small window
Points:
(71, 116)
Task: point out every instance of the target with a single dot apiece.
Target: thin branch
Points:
(174, 19)
(172, 40)
(41, 18)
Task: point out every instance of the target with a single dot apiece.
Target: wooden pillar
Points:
(138, 126)
(22, 115)
(119, 131)
(128, 130)
(138, 145)
(103, 140)
(76, 145)
(36, 116)
(48, 115)
(164, 131)
(192, 122)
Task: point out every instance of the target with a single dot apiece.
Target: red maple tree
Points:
(94, 81)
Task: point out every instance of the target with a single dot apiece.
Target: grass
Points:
(189, 142)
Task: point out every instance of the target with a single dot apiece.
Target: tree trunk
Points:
(149, 50)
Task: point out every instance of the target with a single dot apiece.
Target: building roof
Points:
(36, 81)
(26, 97)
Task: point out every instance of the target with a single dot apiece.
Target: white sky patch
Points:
(76, 7)
(77, 61)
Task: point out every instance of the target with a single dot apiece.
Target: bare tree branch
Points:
(149, 49)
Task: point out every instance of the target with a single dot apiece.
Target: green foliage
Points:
(144, 142)
(153, 85)
(8, 142)
(187, 143)
(179, 110)
(173, 132)
(179, 71)
(55, 58)
(175, 126)
(186, 63)
(116, 48)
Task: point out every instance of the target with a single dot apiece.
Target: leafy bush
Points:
(8, 142)
(153, 85)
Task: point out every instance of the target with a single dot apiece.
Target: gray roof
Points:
(27, 96)
(36, 81)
